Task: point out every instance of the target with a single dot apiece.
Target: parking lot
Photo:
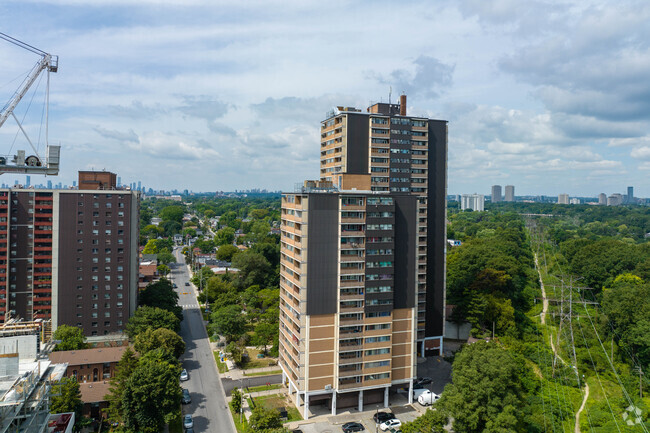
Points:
(434, 367)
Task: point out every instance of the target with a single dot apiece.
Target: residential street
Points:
(208, 406)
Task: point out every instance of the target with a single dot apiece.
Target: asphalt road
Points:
(208, 407)
(230, 384)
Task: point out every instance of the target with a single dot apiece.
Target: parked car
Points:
(185, 375)
(424, 380)
(296, 431)
(391, 423)
(191, 430)
(188, 422)
(186, 283)
(352, 427)
(417, 392)
(186, 399)
(427, 398)
(174, 285)
(380, 417)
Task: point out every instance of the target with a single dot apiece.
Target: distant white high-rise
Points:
(510, 193)
(574, 200)
(563, 199)
(474, 202)
(496, 193)
(602, 199)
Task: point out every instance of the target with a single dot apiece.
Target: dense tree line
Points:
(145, 393)
(512, 384)
(490, 277)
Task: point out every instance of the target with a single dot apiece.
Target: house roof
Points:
(94, 392)
(88, 356)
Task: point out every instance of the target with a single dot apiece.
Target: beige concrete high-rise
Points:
(510, 193)
(563, 199)
(362, 259)
(496, 193)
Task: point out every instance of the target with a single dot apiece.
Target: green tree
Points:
(166, 257)
(229, 321)
(66, 397)
(172, 213)
(432, 421)
(71, 337)
(264, 334)
(263, 419)
(487, 390)
(225, 236)
(124, 369)
(253, 269)
(235, 401)
(152, 231)
(226, 252)
(151, 247)
(151, 317)
(161, 294)
(163, 270)
(161, 338)
(151, 395)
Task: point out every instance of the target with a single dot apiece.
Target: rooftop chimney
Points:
(402, 105)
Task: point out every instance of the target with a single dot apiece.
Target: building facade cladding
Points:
(401, 154)
(344, 252)
(509, 193)
(496, 193)
(71, 257)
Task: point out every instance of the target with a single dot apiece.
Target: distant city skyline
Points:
(222, 96)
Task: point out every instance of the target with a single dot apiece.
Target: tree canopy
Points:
(151, 317)
(72, 338)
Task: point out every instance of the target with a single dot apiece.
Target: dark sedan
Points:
(380, 417)
(352, 427)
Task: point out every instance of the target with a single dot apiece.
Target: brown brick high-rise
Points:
(362, 275)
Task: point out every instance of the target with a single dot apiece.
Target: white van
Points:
(427, 398)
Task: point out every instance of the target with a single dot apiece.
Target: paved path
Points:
(208, 407)
(544, 299)
(582, 407)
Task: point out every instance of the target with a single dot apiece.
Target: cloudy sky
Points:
(549, 96)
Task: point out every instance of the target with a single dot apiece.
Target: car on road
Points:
(352, 427)
(188, 422)
(186, 283)
(185, 375)
(191, 430)
(380, 417)
(186, 399)
(424, 380)
(296, 431)
(427, 398)
(174, 286)
(391, 423)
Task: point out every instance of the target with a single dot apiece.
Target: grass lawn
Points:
(277, 402)
(241, 427)
(263, 373)
(176, 425)
(264, 388)
(223, 368)
(254, 362)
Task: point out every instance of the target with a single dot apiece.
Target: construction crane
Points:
(31, 164)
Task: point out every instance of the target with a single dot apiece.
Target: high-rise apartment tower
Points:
(362, 273)
(496, 193)
(510, 193)
(70, 256)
